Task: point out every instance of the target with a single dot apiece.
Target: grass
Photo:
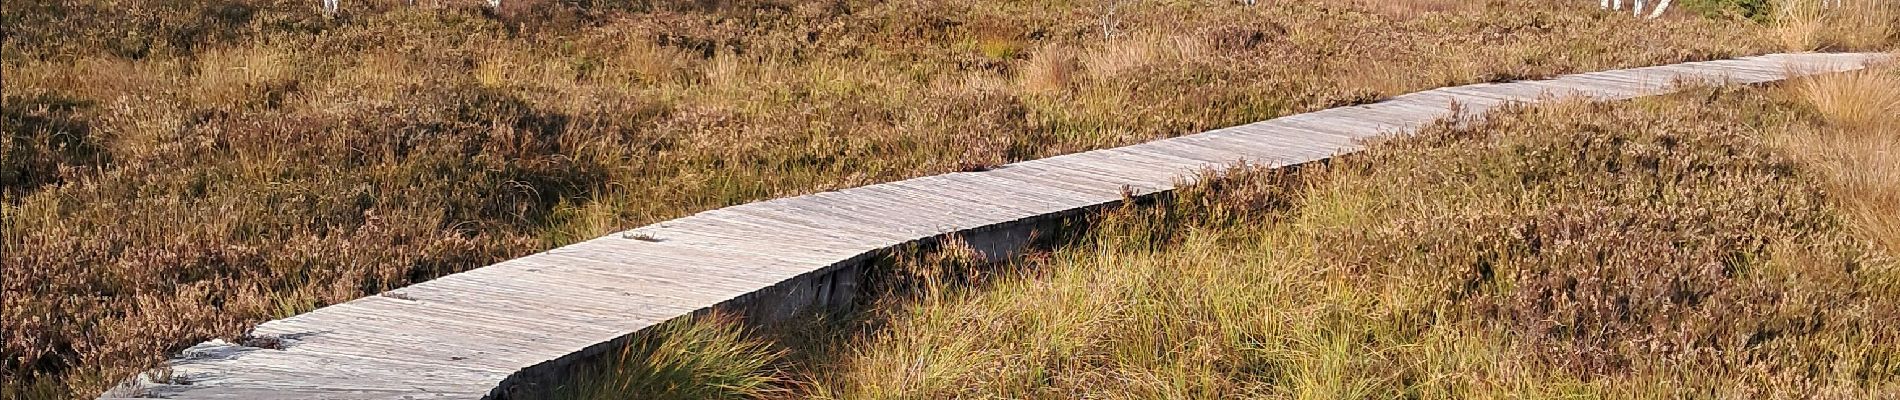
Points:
(1804, 25)
(706, 357)
(179, 170)
(1857, 147)
(1694, 246)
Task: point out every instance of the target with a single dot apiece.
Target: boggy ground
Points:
(1721, 243)
(178, 170)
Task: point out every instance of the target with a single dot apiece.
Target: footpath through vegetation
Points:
(1720, 243)
(179, 170)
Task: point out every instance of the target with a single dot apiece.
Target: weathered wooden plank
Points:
(1398, 117)
(375, 323)
(1106, 164)
(710, 232)
(954, 213)
(1094, 189)
(714, 233)
(990, 192)
(715, 265)
(710, 270)
(817, 213)
(1169, 160)
(1433, 100)
(972, 198)
(1743, 72)
(1521, 95)
(1175, 157)
(1447, 101)
(1274, 137)
(1078, 172)
(1072, 198)
(1211, 148)
(1301, 140)
(835, 236)
(1564, 88)
(795, 211)
(1327, 123)
(608, 292)
(1645, 84)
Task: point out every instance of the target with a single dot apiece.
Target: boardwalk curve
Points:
(474, 334)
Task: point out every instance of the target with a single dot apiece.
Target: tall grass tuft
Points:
(1050, 70)
(704, 357)
(1804, 25)
(1866, 101)
(1868, 25)
(1857, 146)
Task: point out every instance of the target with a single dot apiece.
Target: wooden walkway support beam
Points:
(475, 334)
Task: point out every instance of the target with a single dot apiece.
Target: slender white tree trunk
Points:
(1661, 6)
(1637, 7)
(329, 7)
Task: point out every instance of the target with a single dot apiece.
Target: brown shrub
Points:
(1664, 244)
(47, 143)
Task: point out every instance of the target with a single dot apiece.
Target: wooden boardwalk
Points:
(474, 334)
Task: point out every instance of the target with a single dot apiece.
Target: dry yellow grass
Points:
(1132, 53)
(1051, 70)
(1804, 25)
(1862, 103)
(1858, 146)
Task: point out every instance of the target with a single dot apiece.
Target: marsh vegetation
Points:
(1721, 243)
(179, 170)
